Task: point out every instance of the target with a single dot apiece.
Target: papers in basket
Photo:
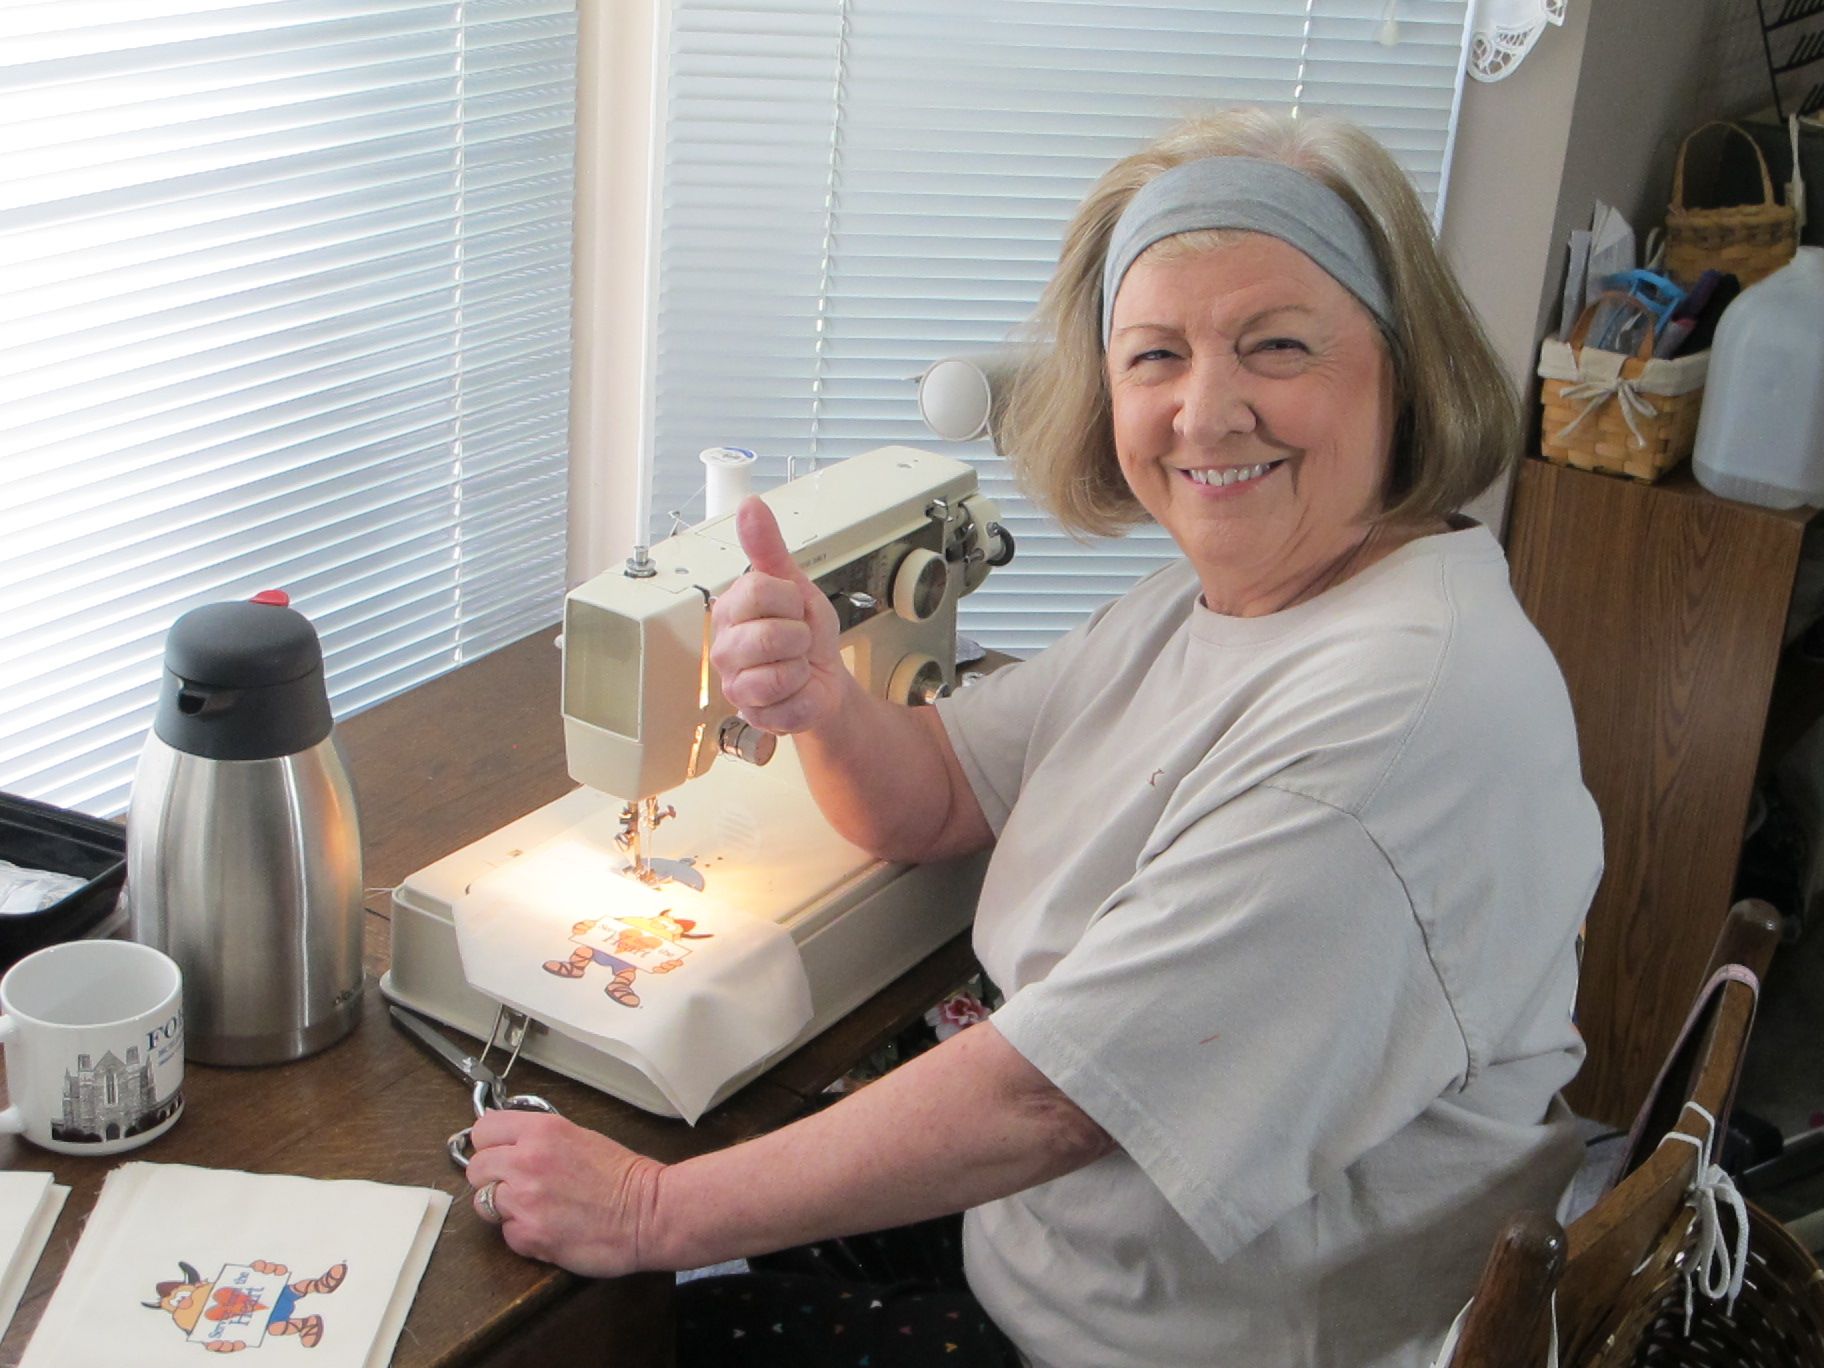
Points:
(679, 984)
(29, 1203)
(176, 1262)
(1603, 249)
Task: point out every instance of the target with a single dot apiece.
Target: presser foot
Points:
(657, 872)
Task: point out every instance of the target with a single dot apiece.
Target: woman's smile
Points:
(1222, 481)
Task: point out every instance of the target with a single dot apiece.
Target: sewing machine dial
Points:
(870, 585)
(982, 543)
(920, 585)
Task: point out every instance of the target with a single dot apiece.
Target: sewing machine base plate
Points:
(855, 939)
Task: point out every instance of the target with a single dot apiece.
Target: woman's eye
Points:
(1154, 354)
(1276, 356)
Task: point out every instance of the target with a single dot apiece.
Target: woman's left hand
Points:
(565, 1194)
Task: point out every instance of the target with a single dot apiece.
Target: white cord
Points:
(1448, 1350)
(1388, 34)
(1714, 1267)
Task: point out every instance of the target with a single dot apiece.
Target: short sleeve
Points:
(992, 723)
(1249, 1014)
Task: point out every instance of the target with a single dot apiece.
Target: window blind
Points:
(284, 303)
(854, 188)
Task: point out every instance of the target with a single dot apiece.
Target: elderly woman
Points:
(1290, 842)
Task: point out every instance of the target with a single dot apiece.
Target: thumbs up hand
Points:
(775, 634)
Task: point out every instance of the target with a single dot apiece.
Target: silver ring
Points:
(484, 1203)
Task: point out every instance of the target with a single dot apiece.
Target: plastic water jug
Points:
(1760, 435)
(243, 846)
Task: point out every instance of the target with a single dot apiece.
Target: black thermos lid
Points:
(243, 681)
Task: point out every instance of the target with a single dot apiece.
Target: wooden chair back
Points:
(1611, 1268)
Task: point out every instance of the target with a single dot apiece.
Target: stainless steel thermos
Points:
(243, 844)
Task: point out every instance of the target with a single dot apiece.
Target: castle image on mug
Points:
(110, 1099)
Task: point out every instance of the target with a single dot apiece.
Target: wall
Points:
(1500, 210)
(1499, 217)
(1652, 73)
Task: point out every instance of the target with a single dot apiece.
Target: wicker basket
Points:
(1622, 415)
(1748, 241)
(1778, 1321)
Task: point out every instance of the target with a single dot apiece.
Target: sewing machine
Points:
(894, 537)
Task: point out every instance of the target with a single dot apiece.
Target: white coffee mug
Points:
(94, 1036)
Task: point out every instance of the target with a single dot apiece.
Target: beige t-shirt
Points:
(1287, 904)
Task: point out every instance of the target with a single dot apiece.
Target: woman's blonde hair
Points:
(1458, 427)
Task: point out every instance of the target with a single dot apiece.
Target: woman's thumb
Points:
(762, 540)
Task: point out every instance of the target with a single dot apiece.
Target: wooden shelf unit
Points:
(1665, 606)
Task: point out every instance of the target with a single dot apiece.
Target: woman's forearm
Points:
(886, 778)
(965, 1123)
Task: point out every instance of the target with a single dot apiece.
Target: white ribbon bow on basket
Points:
(1598, 393)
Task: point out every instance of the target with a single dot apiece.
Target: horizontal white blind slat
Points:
(284, 302)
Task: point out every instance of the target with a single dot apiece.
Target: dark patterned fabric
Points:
(895, 1299)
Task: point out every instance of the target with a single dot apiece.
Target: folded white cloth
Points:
(177, 1260)
(684, 986)
(29, 1203)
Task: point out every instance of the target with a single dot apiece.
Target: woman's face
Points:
(1253, 412)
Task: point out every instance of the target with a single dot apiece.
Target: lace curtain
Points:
(1502, 32)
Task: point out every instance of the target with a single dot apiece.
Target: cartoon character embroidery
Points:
(627, 945)
(223, 1313)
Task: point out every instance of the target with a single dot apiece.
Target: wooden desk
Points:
(435, 769)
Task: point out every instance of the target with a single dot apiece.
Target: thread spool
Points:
(728, 477)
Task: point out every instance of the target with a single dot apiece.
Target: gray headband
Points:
(1259, 197)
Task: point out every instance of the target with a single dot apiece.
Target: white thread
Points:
(730, 479)
(1712, 1267)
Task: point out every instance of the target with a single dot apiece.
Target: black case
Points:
(40, 836)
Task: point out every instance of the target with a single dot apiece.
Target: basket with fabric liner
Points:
(1619, 414)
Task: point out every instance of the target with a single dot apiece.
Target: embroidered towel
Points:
(177, 1262)
(683, 985)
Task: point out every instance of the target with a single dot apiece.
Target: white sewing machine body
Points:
(894, 537)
